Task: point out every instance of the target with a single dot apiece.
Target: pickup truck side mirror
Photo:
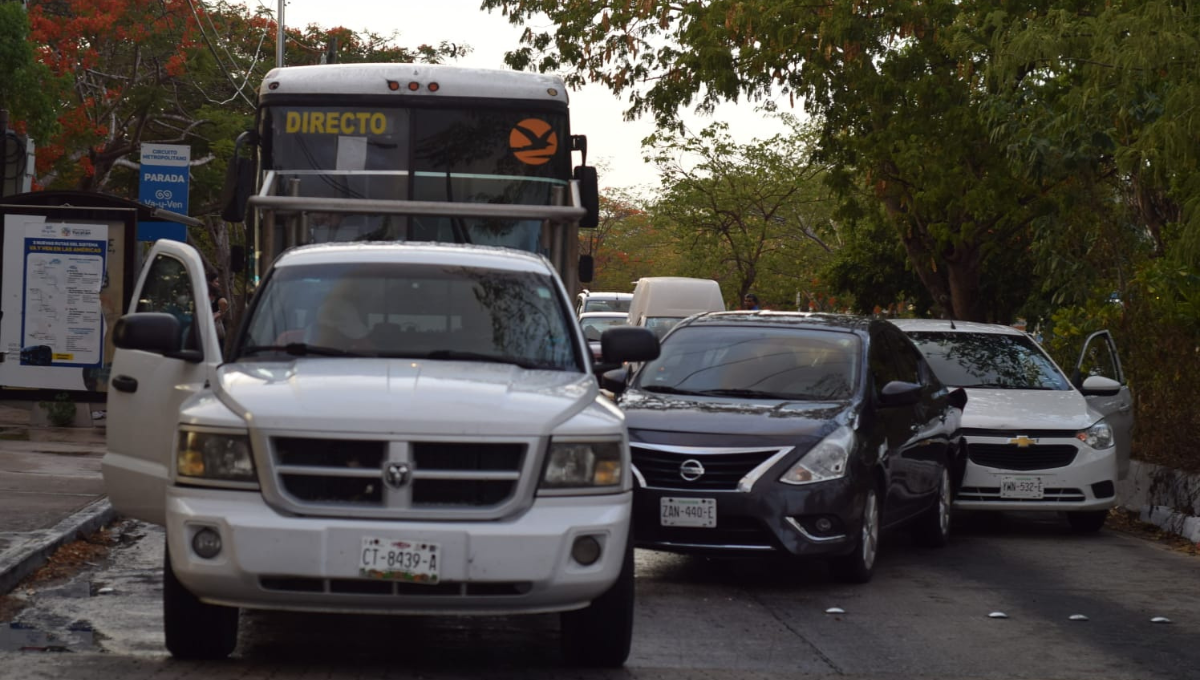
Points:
(899, 393)
(628, 343)
(154, 332)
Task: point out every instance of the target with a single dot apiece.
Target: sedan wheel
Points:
(932, 529)
(859, 566)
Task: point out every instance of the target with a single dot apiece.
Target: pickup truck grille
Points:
(317, 475)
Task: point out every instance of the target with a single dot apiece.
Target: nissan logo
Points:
(396, 474)
(691, 470)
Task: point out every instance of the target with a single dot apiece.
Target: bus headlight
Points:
(209, 455)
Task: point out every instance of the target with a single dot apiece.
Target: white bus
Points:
(413, 152)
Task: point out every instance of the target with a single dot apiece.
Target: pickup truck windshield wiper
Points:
(454, 355)
(300, 349)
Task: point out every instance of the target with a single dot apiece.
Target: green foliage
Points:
(61, 411)
(756, 217)
(28, 90)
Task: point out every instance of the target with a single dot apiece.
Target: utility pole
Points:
(279, 36)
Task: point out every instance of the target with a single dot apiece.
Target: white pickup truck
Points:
(397, 428)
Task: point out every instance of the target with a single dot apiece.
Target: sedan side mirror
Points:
(1099, 386)
(957, 398)
(900, 393)
(614, 380)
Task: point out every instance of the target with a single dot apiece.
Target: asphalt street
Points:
(926, 615)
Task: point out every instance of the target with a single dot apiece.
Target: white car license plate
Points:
(1021, 486)
(688, 512)
(399, 560)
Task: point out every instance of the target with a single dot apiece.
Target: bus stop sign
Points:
(164, 184)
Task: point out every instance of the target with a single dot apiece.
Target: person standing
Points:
(750, 301)
(220, 306)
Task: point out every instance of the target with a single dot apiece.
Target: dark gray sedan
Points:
(801, 434)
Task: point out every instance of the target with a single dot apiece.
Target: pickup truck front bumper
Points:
(273, 561)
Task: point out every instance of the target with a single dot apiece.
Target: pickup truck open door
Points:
(146, 388)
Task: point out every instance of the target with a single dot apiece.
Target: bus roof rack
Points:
(515, 211)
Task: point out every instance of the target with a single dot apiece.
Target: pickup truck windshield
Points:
(410, 311)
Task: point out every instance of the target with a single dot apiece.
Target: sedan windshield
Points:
(989, 360)
(411, 311)
(755, 362)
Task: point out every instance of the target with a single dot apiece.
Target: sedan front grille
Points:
(722, 470)
(1012, 457)
(992, 494)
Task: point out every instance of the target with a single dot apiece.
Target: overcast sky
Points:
(595, 111)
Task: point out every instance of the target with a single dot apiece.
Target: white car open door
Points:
(147, 389)
(1099, 358)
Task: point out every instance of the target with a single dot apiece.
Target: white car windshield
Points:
(755, 362)
(411, 311)
(989, 360)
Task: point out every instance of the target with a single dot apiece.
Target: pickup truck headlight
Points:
(1098, 436)
(583, 465)
(827, 460)
(215, 456)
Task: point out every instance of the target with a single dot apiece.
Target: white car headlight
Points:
(583, 464)
(827, 460)
(1098, 436)
(220, 457)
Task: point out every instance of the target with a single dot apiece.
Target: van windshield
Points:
(412, 311)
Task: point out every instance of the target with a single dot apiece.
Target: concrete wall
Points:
(1164, 497)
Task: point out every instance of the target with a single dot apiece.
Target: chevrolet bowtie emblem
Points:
(1022, 441)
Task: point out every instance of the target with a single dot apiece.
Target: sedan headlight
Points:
(1098, 436)
(209, 455)
(583, 464)
(825, 461)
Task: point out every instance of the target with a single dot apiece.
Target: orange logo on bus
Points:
(533, 141)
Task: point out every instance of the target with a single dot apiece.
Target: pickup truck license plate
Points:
(688, 512)
(399, 560)
(1021, 486)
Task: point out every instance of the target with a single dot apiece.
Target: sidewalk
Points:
(51, 491)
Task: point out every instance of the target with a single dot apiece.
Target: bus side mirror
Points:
(239, 182)
(587, 268)
(589, 196)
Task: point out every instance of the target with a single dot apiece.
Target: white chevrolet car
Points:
(1036, 439)
(398, 428)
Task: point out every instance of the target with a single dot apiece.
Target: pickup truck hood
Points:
(993, 409)
(403, 396)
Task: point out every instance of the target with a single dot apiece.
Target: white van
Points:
(660, 302)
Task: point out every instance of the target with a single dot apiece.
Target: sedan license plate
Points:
(1021, 486)
(399, 560)
(688, 512)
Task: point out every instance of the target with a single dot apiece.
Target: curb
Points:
(26, 557)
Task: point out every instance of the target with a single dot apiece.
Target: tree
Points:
(900, 114)
(754, 216)
(28, 90)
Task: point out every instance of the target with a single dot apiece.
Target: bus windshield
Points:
(476, 155)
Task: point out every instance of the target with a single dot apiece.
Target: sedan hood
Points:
(392, 396)
(646, 412)
(991, 409)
